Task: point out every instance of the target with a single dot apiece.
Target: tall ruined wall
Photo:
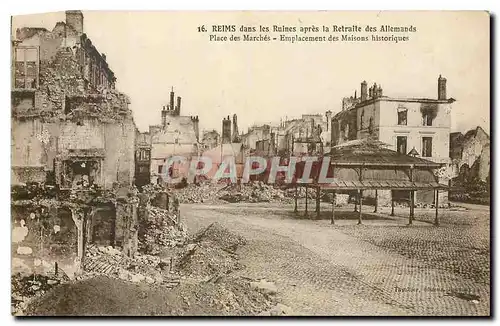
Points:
(37, 143)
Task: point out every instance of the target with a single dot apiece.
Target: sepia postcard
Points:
(250, 163)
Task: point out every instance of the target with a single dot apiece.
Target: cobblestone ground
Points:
(380, 268)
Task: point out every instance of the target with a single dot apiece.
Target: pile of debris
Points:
(254, 192)
(28, 287)
(160, 228)
(113, 263)
(211, 253)
(103, 296)
(203, 193)
(64, 89)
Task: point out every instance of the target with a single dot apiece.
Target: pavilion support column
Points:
(392, 203)
(412, 199)
(412, 205)
(334, 199)
(360, 197)
(318, 202)
(356, 198)
(307, 195)
(295, 208)
(376, 201)
(436, 220)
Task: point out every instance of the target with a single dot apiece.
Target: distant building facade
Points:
(177, 135)
(418, 125)
(142, 159)
(210, 139)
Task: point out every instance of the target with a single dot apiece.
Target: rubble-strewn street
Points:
(162, 177)
(381, 268)
(201, 273)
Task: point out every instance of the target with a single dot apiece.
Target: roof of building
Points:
(391, 99)
(381, 168)
(373, 152)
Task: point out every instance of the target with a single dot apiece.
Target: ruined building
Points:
(177, 135)
(210, 139)
(227, 149)
(235, 138)
(72, 132)
(470, 154)
(68, 121)
(307, 134)
(420, 126)
(142, 159)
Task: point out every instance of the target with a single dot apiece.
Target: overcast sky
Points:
(262, 82)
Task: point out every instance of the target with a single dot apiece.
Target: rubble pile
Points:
(211, 253)
(255, 192)
(219, 235)
(103, 296)
(113, 263)
(159, 229)
(202, 193)
(206, 261)
(66, 95)
(227, 295)
(26, 288)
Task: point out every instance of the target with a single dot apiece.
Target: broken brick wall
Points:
(41, 237)
(37, 143)
(65, 112)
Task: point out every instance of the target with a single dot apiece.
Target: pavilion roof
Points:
(373, 152)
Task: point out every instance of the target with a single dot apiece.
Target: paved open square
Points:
(383, 267)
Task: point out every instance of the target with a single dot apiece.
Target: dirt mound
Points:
(205, 260)
(220, 236)
(211, 253)
(102, 296)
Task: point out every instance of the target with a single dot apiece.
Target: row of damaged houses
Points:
(72, 151)
(418, 127)
(78, 157)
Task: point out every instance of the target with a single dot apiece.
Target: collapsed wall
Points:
(65, 123)
(51, 231)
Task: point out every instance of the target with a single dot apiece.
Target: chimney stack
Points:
(172, 99)
(441, 88)
(364, 94)
(236, 135)
(328, 119)
(178, 107)
(164, 117)
(226, 130)
(196, 126)
(74, 18)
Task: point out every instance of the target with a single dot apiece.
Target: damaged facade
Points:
(413, 126)
(74, 133)
(210, 139)
(470, 154)
(176, 135)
